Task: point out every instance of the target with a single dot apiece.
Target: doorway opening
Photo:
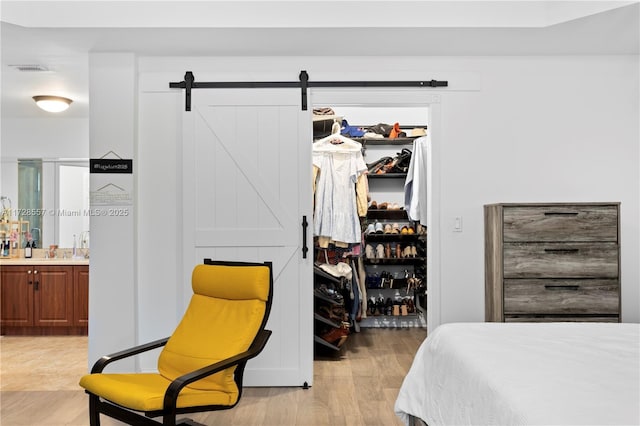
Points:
(395, 282)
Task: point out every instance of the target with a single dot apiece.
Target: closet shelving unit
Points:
(385, 141)
(322, 324)
(398, 267)
(399, 216)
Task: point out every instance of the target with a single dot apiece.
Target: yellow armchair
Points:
(202, 363)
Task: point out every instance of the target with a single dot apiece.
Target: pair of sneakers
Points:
(377, 253)
(374, 228)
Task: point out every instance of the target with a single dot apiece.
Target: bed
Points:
(524, 374)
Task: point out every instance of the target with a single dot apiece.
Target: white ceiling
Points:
(60, 34)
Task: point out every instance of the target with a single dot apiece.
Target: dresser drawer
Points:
(560, 260)
(560, 223)
(559, 318)
(567, 297)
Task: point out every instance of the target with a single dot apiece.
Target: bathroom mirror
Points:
(53, 195)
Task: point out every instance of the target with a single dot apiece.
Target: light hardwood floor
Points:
(39, 384)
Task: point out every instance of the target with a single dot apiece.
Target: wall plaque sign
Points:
(110, 165)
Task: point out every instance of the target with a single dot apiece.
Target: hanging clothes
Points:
(362, 278)
(362, 191)
(417, 181)
(338, 164)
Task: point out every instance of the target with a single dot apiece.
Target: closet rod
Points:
(189, 84)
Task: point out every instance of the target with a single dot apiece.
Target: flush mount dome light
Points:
(52, 103)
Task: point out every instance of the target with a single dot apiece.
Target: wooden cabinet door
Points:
(81, 296)
(16, 296)
(53, 295)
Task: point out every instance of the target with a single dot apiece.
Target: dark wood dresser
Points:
(552, 262)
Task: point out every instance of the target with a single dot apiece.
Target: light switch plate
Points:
(457, 224)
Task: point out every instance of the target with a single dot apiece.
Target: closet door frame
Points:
(396, 98)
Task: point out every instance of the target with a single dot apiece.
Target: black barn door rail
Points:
(189, 84)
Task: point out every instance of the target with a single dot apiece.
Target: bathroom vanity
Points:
(44, 296)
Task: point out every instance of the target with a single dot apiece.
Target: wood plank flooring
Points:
(39, 384)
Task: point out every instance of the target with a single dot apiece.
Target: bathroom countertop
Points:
(42, 261)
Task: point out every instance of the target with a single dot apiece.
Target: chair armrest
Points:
(107, 359)
(171, 395)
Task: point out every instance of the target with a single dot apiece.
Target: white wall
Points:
(113, 129)
(55, 137)
(539, 129)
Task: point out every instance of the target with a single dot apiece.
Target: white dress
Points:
(336, 214)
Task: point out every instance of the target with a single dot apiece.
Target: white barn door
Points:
(247, 185)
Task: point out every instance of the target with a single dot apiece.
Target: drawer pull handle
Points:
(561, 250)
(561, 287)
(561, 213)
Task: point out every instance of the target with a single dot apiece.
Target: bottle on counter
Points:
(5, 248)
(28, 250)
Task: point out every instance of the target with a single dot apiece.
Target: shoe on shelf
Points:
(388, 307)
(378, 228)
(411, 308)
(396, 310)
(395, 228)
(396, 132)
(380, 251)
(338, 335)
(368, 251)
(371, 228)
(404, 310)
(380, 305)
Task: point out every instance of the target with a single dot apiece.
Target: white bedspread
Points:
(525, 374)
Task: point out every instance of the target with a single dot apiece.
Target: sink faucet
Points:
(84, 243)
(84, 239)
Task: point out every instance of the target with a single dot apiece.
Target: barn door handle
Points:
(305, 249)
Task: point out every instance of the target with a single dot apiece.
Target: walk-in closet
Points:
(371, 211)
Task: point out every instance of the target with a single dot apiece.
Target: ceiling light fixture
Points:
(52, 103)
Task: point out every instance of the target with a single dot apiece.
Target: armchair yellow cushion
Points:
(225, 328)
(145, 391)
(223, 318)
(228, 282)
